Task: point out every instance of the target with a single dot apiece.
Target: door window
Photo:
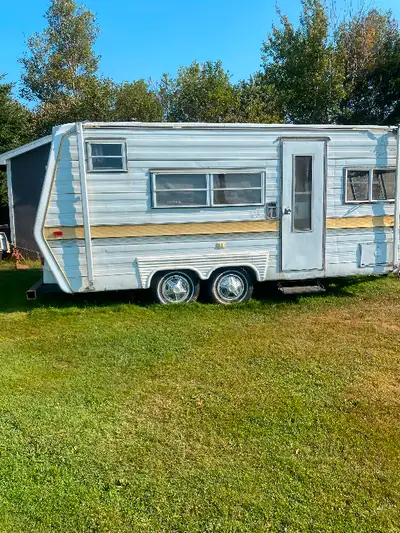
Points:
(302, 193)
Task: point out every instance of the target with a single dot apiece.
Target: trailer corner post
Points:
(11, 203)
(397, 207)
(85, 203)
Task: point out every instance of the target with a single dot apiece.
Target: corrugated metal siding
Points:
(117, 257)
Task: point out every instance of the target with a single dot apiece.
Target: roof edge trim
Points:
(4, 157)
(233, 125)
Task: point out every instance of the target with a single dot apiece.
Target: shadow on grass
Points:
(13, 286)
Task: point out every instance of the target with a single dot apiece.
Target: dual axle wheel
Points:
(231, 285)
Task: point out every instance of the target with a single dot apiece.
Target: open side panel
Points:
(26, 174)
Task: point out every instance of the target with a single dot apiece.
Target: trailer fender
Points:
(203, 265)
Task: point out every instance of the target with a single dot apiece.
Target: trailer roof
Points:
(233, 125)
(4, 157)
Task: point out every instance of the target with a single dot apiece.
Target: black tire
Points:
(231, 285)
(165, 287)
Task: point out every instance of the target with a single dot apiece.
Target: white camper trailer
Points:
(163, 206)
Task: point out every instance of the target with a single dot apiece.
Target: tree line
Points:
(321, 69)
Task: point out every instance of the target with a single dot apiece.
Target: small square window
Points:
(383, 184)
(106, 157)
(357, 185)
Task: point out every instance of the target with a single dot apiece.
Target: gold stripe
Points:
(204, 228)
(359, 222)
(158, 230)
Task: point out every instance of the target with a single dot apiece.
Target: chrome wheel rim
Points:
(176, 289)
(231, 287)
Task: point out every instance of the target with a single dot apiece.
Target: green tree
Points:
(60, 75)
(137, 101)
(256, 103)
(200, 93)
(60, 69)
(375, 98)
(368, 47)
(15, 128)
(96, 102)
(101, 100)
(60, 60)
(166, 88)
(300, 67)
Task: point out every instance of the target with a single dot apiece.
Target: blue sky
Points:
(143, 39)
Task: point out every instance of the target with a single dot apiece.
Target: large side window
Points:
(370, 185)
(107, 156)
(207, 190)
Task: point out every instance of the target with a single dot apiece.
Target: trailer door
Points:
(303, 205)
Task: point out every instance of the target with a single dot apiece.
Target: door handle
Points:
(287, 211)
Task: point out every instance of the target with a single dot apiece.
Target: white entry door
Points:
(303, 189)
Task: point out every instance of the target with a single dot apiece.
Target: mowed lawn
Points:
(280, 415)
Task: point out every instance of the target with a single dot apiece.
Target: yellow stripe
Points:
(204, 228)
(359, 222)
(156, 230)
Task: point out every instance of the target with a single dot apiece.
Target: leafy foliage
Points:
(60, 59)
(101, 100)
(369, 50)
(300, 67)
(96, 103)
(137, 101)
(15, 120)
(382, 87)
(60, 74)
(256, 102)
(321, 70)
(15, 128)
(200, 93)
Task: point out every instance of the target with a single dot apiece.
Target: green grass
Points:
(280, 415)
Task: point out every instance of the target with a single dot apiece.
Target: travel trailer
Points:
(165, 206)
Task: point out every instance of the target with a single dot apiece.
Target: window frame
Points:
(154, 191)
(213, 189)
(388, 200)
(293, 184)
(209, 174)
(90, 156)
(370, 181)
